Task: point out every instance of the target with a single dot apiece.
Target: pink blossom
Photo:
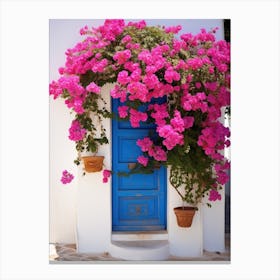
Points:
(223, 98)
(93, 87)
(143, 160)
(118, 92)
(136, 117)
(98, 55)
(212, 138)
(131, 66)
(84, 30)
(227, 143)
(165, 131)
(61, 70)
(76, 132)
(138, 91)
(222, 177)
(203, 36)
(201, 95)
(188, 38)
(171, 75)
(99, 66)
(150, 69)
(157, 153)
(172, 138)
(181, 65)
(194, 102)
(133, 46)
(188, 121)
(195, 63)
(123, 77)
(71, 84)
(159, 113)
(111, 28)
(106, 173)
(211, 85)
(162, 90)
(150, 80)
(214, 195)
(211, 70)
(145, 144)
(123, 111)
(173, 29)
(146, 57)
(136, 75)
(177, 122)
(55, 89)
(122, 56)
(140, 25)
(178, 45)
(78, 105)
(201, 52)
(66, 177)
(126, 39)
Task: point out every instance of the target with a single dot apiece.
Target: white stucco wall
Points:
(63, 34)
(183, 242)
(94, 199)
(86, 202)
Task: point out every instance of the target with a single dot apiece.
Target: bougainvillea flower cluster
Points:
(106, 175)
(66, 177)
(183, 81)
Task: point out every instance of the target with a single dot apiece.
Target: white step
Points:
(137, 236)
(143, 250)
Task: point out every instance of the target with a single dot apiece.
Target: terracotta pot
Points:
(93, 163)
(184, 215)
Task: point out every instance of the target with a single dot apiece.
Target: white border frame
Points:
(24, 137)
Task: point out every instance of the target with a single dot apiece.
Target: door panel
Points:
(139, 200)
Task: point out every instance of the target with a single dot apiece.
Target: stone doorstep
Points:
(138, 236)
(140, 250)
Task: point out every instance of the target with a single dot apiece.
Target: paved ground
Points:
(62, 253)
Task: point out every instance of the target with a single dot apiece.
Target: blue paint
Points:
(139, 201)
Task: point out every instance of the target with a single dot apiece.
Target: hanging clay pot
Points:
(184, 215)
(93, 163)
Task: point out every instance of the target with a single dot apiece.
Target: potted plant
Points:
(184, 84)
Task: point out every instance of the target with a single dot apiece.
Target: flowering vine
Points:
(183, 82)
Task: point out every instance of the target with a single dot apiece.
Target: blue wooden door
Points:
(139, 201)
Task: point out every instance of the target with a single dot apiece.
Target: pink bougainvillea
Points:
(106, 175)
(143, 160)
(93, 87)
(76, 132)
(66, 177)
(157, 153)
(122, 56)
(123, 111)
(214, 195)
(136, 117)
(182, 81)
(145, 144)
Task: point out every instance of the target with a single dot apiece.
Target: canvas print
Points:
(139, 140)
